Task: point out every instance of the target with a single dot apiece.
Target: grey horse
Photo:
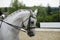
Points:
(17, 18)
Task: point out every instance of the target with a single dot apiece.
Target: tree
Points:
(15, 6)
(59, 14)
(49, 10)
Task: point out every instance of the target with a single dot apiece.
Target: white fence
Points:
(50, 25)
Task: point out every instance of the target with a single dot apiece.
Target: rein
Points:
(17, 27)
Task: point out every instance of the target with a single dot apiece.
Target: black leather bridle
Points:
(19, 28)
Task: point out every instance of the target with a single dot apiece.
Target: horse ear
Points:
(35, 12)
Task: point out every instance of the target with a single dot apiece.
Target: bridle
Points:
(19, 28)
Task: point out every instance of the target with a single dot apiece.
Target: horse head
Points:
(31, 23)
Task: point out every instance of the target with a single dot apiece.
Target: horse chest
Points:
(9, 33)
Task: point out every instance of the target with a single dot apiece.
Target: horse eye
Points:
(32, 22)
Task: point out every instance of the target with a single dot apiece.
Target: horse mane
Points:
(15, 12)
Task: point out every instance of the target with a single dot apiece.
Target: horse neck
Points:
(11, 19)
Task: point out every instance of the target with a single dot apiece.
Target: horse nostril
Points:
(32, 22)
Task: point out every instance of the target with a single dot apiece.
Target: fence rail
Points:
(50, 25)
(42, 29)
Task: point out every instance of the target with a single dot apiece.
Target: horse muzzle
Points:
(30, 33)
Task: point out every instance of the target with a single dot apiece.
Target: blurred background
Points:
(48, 10)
